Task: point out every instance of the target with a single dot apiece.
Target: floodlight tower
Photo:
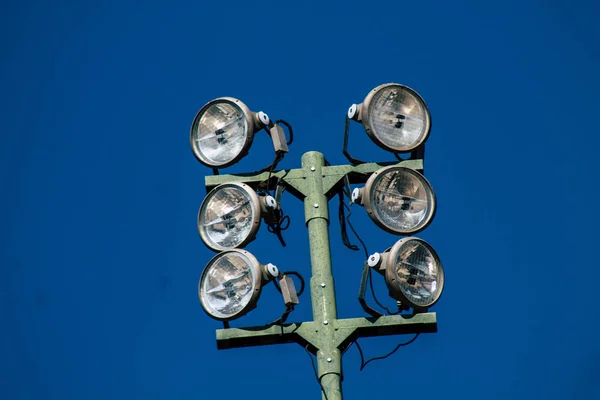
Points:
(396, 196)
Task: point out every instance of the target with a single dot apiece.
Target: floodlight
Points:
(398, 199)
(413, 272)
(223, 130)
(231, 283)
(230, 215)
(395, 117)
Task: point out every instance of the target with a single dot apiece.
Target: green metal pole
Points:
(329, 358)
(325, 334)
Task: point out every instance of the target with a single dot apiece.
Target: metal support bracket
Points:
(295, 180)
(326, 336)
(307, 334)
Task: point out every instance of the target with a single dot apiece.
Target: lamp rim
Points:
(390, 274)
(366, 113)
(370, 208)
(257, 281)
(256, 216)
(250, 130)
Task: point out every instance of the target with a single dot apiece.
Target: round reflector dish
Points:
(221, 133)
(417, 272)
(229, 216)
(397, 118)
(230, 285)
(399, 199)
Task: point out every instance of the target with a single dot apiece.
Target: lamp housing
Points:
(394, 116)
(230, 215)
(413, 273)
(223, 130)
(398, 199)
(231, 283)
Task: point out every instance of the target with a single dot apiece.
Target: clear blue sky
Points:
(100, 255)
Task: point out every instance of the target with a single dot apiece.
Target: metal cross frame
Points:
(326, 336)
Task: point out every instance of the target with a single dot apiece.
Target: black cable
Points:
(282, 223)
(279, 155)
(342, 220)
(290, 130)
(353, 161)
(363, 364)
(375, 298)
(312, 362)
(364, 246)
(284, 316)
(278, 158)
(281, 320)
(272, 166)
(263, 187)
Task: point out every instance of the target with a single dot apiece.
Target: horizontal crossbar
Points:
(294, 179)
(307, 333)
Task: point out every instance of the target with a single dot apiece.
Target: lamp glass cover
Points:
(227, 286)
(402, 200)
(226, 217)
(418, 273)
(398, 118)
(220, 134)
